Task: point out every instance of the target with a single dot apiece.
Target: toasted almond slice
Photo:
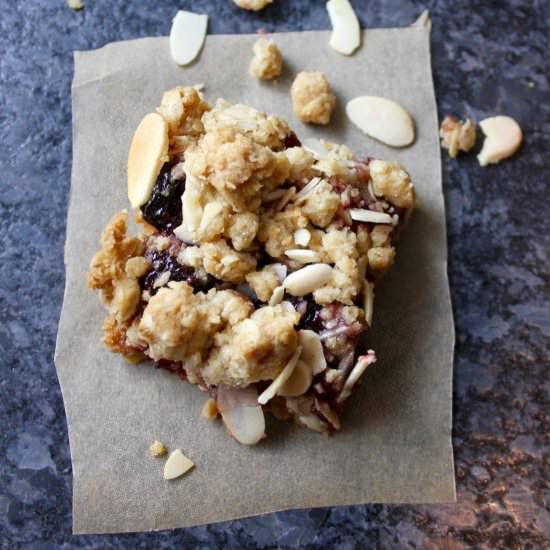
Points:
(503, 137)
(280, 271)
(241, 414)
(176, 465)
(307, 189)
(382, 119)
(298, 382)
(312, 350)
(187, 36)
(302, 237)
(147, 154)
(368, 301)
(277, 296)
(346, 36)
(284, 375)
(360, 367)
(302, 256)
(369, 216)
(308, 279)
(209, 409)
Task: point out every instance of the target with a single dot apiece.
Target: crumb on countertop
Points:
(457, 135)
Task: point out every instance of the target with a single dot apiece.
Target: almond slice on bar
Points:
(176, 465)
(369, 216)
(187, 36)
(503, 136)
(241, 414)
(271, 391)
(312, 350)
(346, 35)
(368, 301)
(308, 279)
(382, 119)
(277, 296)
(298, 382)
(302, 255)
(302, 237)
(147, 154)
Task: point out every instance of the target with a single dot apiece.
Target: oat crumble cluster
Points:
(312, 100)
(253, 273)
(457, 135)
(267, 62)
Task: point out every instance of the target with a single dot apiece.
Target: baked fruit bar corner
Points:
(254, 270)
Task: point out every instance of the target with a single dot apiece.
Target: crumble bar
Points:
(254, 271)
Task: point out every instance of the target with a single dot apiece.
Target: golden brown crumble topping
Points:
(267, 62)
(263, 220)
(312, 99)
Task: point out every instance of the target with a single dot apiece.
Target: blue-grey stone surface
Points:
(488, 58)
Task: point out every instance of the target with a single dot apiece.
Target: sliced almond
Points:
(312, 350)
(382, 119)
(309, 278)
(277, 296)
(302, 256)
(368, 301)
(306, 190)
(176, 465)
(302, 237)
(503, 136)
(187, 36)
(280, 271)
(324, 408)
(313, 422)
(209, 409)
(241, 414)
(298, 382)
(191, 206)
(147, 154)
(284, 375)
(360, 367)
(369, 216)
(346, 35)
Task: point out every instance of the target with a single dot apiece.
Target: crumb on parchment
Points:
(157, 449)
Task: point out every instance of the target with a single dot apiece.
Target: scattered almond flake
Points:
(176, 465)
(312, 350)
(313, 422)
(210, 409)
(309, 278)
(157, 449)
(277, 296)
(302, 237)
(298, 382)
(286, 198)
(302, 256)
(346, 34)
(280, 270)
(315, 147)
(369, 216)
(75, 4)
(503, 136)
(147, 154)
(382, 119)
(368, 301)
(360, 367)
(241, 414)
(187, 36)
(283, 376)
(307, 189)
(162, 279)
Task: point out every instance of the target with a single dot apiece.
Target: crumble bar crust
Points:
(239, 210)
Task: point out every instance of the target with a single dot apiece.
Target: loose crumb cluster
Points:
(267, 62)
(457, 135)
(211, 288)
(157, 449)
(312, 100)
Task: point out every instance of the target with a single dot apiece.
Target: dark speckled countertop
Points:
(488, 58)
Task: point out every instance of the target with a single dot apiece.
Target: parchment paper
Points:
(395, 444)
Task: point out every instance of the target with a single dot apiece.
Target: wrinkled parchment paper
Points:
(396, 440)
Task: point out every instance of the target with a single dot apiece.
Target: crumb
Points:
(457, 135)
(210, 410)
(312, 100)
(157, 449)
(267, 62)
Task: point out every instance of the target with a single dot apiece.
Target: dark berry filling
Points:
(291, 141)
(162, 262)
(163, 210)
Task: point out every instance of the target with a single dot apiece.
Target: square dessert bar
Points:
(253, 275)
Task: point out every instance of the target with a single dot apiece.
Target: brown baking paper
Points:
(395, 445)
